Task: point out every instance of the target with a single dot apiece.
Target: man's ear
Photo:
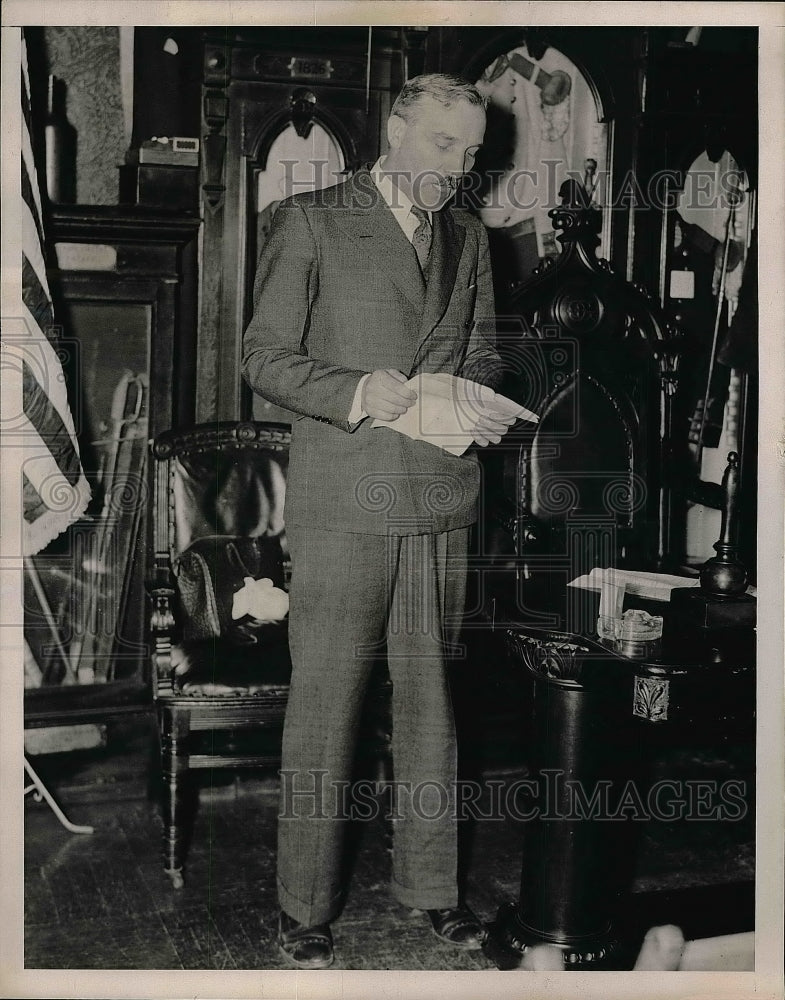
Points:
(396, 129)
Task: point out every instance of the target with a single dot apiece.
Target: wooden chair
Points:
(589, 484)
(592, 484)
(220, 685)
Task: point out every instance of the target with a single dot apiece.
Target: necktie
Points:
(422, 237)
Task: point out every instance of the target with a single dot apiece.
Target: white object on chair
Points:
(261, 600)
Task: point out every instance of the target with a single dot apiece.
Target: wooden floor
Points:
(102, 901)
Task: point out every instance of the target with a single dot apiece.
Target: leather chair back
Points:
(226, 490)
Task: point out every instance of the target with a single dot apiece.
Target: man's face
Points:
(433, 149)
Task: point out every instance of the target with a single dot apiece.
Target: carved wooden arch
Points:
(592, 328)
(549, 494)
(499, 163)
(260, 130)
(582, 296)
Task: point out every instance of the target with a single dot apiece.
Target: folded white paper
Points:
(448, 409)
(654, 586)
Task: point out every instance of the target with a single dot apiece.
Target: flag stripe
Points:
(51, 429)
(32, 504)
(28, 157)
(50, 503)
(44, 361)
(35, 297)
(48, 499)
(54, 488)
(32, 248)
(29, 200)
(29, 161)
(25, 92)
(62, 501)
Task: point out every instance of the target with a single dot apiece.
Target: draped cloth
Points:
(54, 489)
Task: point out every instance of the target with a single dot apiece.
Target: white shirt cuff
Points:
(357, 413)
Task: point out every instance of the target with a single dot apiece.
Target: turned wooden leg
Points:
(175, 727)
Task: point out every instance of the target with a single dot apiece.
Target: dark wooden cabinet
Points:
(315, 98)
(125, 296)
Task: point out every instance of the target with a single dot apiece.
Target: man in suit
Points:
(359, 287)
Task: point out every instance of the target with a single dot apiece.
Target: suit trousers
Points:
(353, 598)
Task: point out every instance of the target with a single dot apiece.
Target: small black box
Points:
(692, 606)
(156, 185)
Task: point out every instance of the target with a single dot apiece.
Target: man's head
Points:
(435, 128)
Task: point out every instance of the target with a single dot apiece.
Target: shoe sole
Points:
(304, 965)
(475, 945)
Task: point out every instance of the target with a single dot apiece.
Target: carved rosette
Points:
(650, 698)
(551, 657)
(578, 310)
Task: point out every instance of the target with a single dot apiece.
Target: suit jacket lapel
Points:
(369, 221)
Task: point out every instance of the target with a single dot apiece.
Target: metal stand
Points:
(568, 877)
(40, 791)
(510, 937)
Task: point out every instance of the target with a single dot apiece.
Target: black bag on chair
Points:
(211, 571)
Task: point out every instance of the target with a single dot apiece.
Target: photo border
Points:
(766, 981)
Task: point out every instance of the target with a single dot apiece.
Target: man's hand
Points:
(386, 396)
(491, 426)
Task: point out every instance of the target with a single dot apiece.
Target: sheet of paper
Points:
(447, 411)
(654, 586)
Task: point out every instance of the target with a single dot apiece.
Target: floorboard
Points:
(104, 902)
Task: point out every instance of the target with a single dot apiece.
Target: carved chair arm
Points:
(162, 628)
(162, 614)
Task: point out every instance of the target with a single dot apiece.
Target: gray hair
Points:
(444, 88)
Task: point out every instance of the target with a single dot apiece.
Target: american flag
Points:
(54, 489)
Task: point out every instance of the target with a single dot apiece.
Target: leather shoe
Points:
(457, 926)
(305, 947)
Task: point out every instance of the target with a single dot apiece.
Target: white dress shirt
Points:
(401, 208)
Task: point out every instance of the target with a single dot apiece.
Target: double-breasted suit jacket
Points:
(339, 293)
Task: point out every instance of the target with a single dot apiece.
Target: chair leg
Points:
(175, 728)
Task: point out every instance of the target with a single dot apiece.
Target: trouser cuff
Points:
(430, 898)
(309, 914)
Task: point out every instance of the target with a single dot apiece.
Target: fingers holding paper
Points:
(491, 426)
(452, 413)
(386, 394)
